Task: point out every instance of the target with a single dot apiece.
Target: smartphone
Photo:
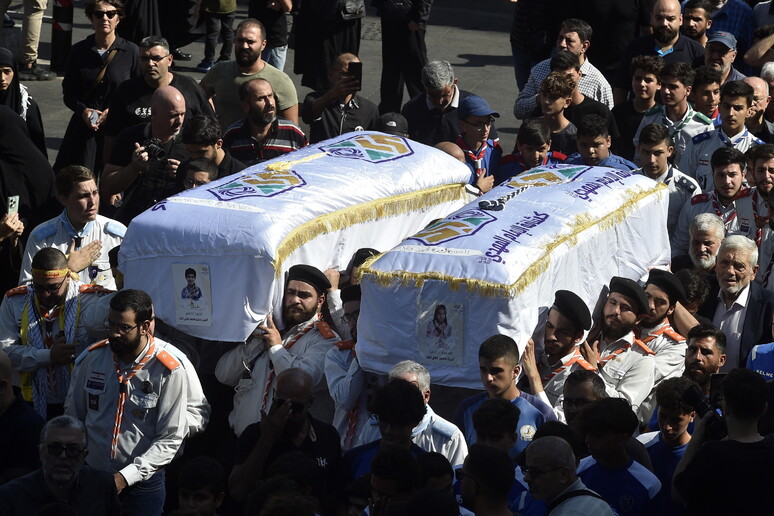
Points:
(13, 204)
(356, 70)
(94, 117)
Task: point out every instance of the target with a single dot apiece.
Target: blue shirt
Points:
(737, 18)
(490, 160)
(359, 459)
(631, 490)
(513, 165)
(664, 459)
(533, 413)
(611, 161)
(761, 360)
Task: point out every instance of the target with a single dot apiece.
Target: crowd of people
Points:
(653, 402)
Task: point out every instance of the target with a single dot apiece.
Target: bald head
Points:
(666, 19)
(761, 96)
(552, 452)
(294, 384)
(345, 59)
(452, 149)
(167, 112)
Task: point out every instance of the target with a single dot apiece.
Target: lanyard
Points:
(476, 157)
(623, 348)
(727, 218)
(289, 345)
(123, 380)
(575, 357)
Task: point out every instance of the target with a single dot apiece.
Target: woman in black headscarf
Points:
(15, 95)
(26, 173)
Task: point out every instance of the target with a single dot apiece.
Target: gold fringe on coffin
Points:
(282, 166)
(365, 212)
(580, 223)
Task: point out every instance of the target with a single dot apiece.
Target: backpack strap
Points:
(572, 494)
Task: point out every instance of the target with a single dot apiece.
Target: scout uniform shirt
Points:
(695, 161)
(58, 232)
(746, 215)
(135, 413)
(553, 376)
(627, 366)
(682, 131)
(27, 333)
(681, 189)
(253, 369)
(669, 348)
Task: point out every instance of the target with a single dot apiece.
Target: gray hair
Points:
(436, 75)
(767, 72)
(67, 422)
(707, 222)
(411, 367)
(154, 41)
(740, 243)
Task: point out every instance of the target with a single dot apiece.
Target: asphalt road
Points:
(472, 36)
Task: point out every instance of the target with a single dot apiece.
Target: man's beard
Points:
(298, 316)
(703, 263)
(653, 324)
(121, 347)
(664, 35)
(263, 118)
(247, 58)
(613, 334)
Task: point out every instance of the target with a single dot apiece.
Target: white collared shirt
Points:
(731, 322)
(455, 101)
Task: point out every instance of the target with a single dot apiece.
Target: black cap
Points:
(392, 123)
(669, 283)
(350, 293)
(311, 275)
(632, 290)
(363, 254)
(571, 306)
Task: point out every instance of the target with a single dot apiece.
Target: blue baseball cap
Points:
(475, 106)
(726, 38)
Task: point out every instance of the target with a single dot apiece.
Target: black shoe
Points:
(8, 22)
(181, 56)
(35, 73)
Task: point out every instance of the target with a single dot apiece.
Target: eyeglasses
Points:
(534, 472)
(155, 59)
(481, 125)
(49, 289)
(123, 329)
(56, 449)
(350, 317)
(190, 183)
(109, 14)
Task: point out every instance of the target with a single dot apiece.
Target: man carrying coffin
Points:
(624, 362)
(568, 317)
(253, 367)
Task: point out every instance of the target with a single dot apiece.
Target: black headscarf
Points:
(11, 97)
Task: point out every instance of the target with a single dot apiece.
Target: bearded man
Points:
(253, 367)
(622, 360)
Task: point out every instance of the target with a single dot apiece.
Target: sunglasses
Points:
(49, 289)
(56, 449)
(99, 14)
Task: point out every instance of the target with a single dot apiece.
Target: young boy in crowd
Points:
(593, 144)
(624, 483)
(705, 94)
(645, 85)
(556, 96)
(667, 446)
(482, 154)
(533, 144)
